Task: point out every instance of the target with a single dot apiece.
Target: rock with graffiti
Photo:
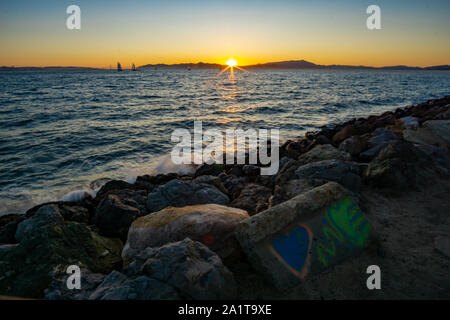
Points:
(305, 235)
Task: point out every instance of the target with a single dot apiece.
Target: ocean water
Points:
(62, 130)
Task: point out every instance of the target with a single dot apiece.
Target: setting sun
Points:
(231, 63)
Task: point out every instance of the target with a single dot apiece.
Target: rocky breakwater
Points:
(370, 191)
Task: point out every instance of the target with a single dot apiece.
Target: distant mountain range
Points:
(292, 64)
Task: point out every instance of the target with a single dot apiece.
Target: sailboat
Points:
(119, 67)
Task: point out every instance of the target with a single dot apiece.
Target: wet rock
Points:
(210, 224)
(323, 152)
(26, 270)
(46, 215)
(345, 173)
(8, 227)
(380, 139)
(253, 198)
(189, 266)
(352, 146)
(117, 286)
(305, 235)
(178, 193)
(113, 217)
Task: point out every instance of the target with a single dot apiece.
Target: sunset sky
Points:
(34, 33)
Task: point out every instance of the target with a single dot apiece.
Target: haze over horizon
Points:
(413, 33)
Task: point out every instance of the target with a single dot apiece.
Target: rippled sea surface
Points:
(61, 130)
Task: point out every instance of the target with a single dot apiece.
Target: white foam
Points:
(79, 195)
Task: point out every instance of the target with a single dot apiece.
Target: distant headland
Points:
(291, 64)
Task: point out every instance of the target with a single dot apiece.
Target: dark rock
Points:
(292, 188)
(26, 270)
(345, 173)
(46, 215)
(113, 217)
(195, 271)
(253, 198)
(178, 193)
(8, 227)
(251, 170)
(234, 184)
(380, 139)
(117, 286)
(343, 134)
(209, 169)
(399, 166)
(113, 187)
(149, 183)
(323, 152)
(352, 146)
(57, 290)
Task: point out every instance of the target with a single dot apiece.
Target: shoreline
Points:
(379, 164)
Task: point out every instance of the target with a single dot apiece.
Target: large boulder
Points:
(399, 166)
(113, 217)
(188, 266)
(8, 227)
(210, 224)
(46, 215)
(177, 193)
(424, 136)
(253, 198)
(305, 235)
(27, 269)
(380, 139)
(323, 152)
(117, 286)
(352, 146)
(293, 188)
(345, 173)
(440, 128)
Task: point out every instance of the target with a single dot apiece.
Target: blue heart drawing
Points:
(293, 248)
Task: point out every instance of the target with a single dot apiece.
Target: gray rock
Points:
(399, 166)
(380, 139)
(352, 146)
(293, 188)
(345, 173)
(253, 198)
(179, 193)
(195, 271)
(411, 123)
(442, 244)
(305, 235)
(323, 152)
(441, 128)
(210, 224)
(58, 290)
(113, 217)
(46, 215)
(8, 227)
(117, 286)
